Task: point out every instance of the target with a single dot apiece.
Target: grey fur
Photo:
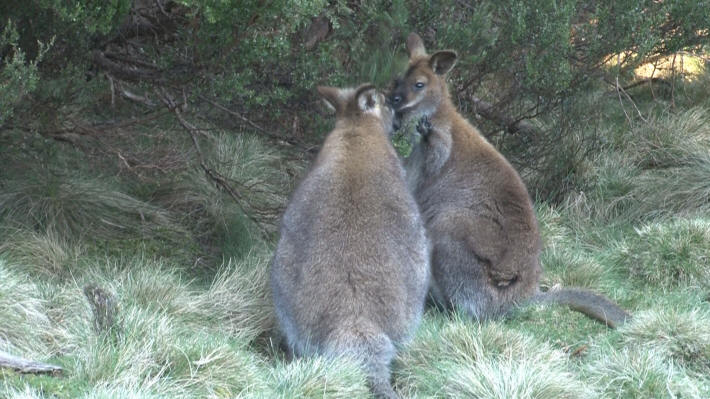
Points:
(351, 269)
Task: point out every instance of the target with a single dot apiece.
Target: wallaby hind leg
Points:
(460, 280)
(381, 351)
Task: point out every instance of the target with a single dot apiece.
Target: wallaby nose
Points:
(396, 99)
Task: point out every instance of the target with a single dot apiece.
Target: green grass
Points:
(189, 275)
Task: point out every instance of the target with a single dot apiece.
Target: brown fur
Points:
(351, 272)
(479, 217)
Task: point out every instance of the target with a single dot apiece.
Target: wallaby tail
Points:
(375, 352)
(591, 304)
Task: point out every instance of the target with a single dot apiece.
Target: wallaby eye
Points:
(419, 85)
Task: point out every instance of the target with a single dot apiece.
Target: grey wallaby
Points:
(478, 214)
(351, 270)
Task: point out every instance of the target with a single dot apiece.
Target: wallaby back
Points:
(350, 272)
(478, 214)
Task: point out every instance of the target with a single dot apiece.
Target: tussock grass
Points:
(318, 377)
(659, 167)
(45, 253)
(461, 358)
(511, 377)
(553, 228)
(116, 391)
(259, 174)
(23, 318)
(26, 392)
(630, 373)
(669, 253)
(154, 351)
(681, 336)
(139, 355)
(570, 268)
(680, 190)
(670, 140)
(609, 197)
(77, 207)
(211, 365)
(239, 298)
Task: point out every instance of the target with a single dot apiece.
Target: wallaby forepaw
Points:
(424, 126)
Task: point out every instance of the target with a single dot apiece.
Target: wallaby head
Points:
(364, 101)
(423, 88)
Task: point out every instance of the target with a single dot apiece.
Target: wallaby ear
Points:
(367, 97)
(331, 97)
(441, 62)
(415, 46)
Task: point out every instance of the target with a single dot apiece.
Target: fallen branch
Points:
(23, 365)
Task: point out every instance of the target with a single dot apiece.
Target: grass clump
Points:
(239, 298)
(461, 358)
(570, 268)
(671, 139)
(679, 190)
(23, 318)
(511, 377)
(45, 253)
(668, 253)
(77, 207)
(681, 336)
(318, 377)
(261, 179)
(630, 373)
(211, 365)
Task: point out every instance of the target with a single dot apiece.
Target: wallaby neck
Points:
(446, 113)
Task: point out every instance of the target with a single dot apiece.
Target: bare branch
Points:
(23, 365)
(489, 111)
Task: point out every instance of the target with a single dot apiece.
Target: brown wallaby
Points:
(478, 214)
(351, 270)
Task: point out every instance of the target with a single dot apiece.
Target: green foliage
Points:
(18, 76)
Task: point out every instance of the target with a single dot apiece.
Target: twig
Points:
(488, 111)
(620, 90)
(234, 113)
(23, 365)
(292, 141)
(644, 81)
